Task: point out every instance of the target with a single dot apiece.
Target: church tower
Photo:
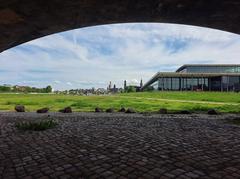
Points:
(125, 84)
(110, 85)
(141, 83)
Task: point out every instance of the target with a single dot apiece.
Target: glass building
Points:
(197, 78)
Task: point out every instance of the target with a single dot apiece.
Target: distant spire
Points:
(141, 83)
(110, 85)
(125, 84)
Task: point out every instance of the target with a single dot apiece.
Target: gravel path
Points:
(90, 145)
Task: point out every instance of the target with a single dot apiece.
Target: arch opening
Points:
(96, 55)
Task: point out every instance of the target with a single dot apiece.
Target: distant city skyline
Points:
(93, 56)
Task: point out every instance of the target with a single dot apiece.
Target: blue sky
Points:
(93, 56)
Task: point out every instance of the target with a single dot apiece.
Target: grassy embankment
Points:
(146, 101)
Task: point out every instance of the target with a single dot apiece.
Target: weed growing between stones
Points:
(36, 126)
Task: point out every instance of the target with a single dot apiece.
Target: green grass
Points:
(229, 97)
(142, 102)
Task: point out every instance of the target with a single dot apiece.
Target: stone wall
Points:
(25, 20)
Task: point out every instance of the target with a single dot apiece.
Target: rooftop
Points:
(207, 65)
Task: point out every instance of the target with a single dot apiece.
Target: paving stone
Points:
(90, 145)
(192, 175)
(27, 177)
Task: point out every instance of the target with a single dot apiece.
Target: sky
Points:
(93, 56)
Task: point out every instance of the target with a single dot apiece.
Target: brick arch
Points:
(25, 20)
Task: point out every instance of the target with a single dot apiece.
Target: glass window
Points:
(175, 84)
(212, 69)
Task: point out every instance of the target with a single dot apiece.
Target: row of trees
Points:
(25, 89)
(132, 89)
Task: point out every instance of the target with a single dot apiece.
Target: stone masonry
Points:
(90, 145)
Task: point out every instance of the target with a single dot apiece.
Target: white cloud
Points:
(133, 82)
(69, 83)
(57, 82)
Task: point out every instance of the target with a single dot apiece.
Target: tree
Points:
(149, 88)
(131, 89)
(5, 89)
(48, 89)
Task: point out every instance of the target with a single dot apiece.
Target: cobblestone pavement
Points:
(88, 145)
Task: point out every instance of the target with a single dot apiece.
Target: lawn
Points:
(227, 97)
(142, 102)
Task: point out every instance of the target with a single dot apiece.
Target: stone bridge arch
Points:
(25, 20)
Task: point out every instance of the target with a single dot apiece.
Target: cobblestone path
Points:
(88, 145)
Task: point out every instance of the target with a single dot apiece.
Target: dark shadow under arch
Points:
(25, 20)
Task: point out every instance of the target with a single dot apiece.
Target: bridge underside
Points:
(25, 20)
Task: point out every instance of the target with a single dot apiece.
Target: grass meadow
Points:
(142, 102)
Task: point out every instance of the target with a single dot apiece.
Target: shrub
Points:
(149, 89)
(36, 126)
(130, 89)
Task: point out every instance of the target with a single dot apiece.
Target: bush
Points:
(149, 88)
(130, 89)
(36, 126)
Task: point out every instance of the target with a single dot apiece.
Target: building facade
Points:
(197, 78)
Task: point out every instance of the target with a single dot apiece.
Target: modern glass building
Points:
(197, 78)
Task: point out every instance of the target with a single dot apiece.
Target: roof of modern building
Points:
(206, 65)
